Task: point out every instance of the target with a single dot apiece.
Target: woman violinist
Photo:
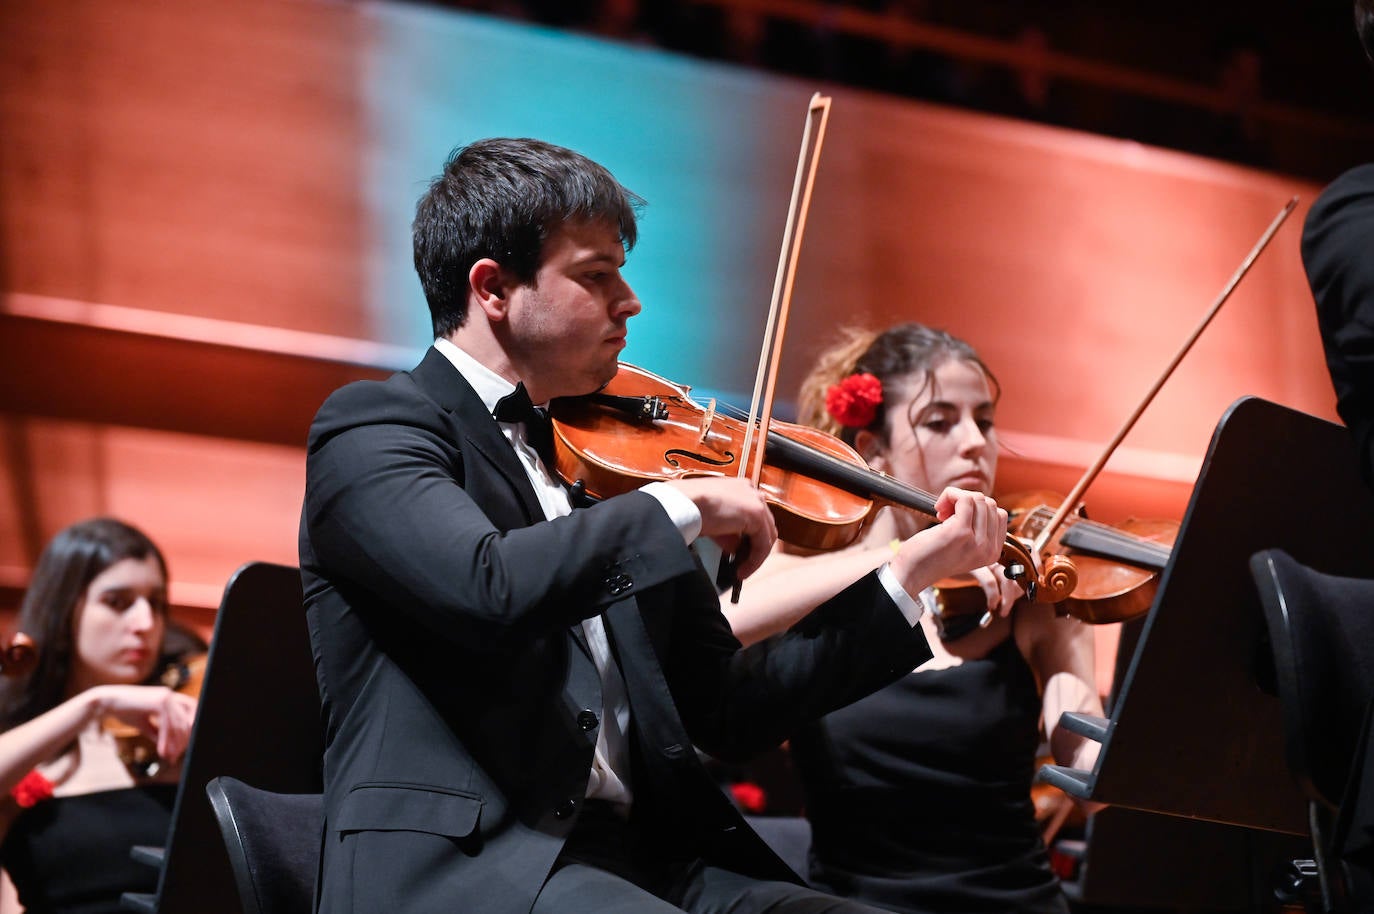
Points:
(72, 810)
(919, 795)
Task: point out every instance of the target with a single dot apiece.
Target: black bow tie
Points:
(516, 407)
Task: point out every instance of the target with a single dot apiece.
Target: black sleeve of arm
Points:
(753, 698)
(1338, 254)
(384, 512)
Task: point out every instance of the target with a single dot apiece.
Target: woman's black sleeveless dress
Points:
(70, 855)
(919, 795)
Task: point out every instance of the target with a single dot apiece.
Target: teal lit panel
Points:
(711, 148)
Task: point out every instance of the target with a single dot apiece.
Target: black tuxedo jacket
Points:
(460, 704)
(1338, 254)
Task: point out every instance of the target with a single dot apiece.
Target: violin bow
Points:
(766, 380)
(1043, 538)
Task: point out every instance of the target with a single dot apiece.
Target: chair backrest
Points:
(258, 720)
(1192, 732)
(1190, 700)
(1321, 628)
(273, 841)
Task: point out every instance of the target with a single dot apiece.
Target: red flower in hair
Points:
(33, 788)
(855, 400)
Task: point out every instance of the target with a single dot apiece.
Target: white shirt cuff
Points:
(911, 608)
(681, 511)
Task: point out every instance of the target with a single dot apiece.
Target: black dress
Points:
(70, 855)
(919, 795)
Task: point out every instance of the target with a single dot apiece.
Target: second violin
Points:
(1118, 565)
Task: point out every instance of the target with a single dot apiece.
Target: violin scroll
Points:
(18, 656)
(1050, 584)
(1058, 580)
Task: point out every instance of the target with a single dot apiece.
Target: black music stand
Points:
(1196, 731)
(258, 720)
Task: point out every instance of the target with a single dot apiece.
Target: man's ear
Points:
(870, 448)
(489, 287)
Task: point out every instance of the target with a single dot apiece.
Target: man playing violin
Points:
(513, 688)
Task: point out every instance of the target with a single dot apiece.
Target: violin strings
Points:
(1109, 533)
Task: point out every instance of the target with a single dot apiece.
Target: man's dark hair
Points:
(502, 199)
(1364, 25)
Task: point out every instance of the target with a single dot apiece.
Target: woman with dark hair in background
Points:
(919, 794)
(75, 799)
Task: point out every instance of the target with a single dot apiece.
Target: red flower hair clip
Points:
(854, 401)
(32, 789)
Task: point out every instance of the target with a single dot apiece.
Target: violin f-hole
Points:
(672, 454)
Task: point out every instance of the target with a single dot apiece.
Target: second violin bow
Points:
(1076, 493)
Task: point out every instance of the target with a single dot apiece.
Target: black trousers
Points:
(606, 868)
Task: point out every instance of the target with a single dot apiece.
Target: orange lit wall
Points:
(193, 159)
(1077, 265)
(185, 252)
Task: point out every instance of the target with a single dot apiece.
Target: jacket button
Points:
(587, 720)
(565, 809)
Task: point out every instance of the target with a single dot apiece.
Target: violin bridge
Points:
(707, 417)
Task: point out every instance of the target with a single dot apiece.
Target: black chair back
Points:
(1194, 733)
(258, 720)
(1321, 629)
(273, 842)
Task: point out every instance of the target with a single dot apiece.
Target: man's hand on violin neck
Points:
(733, 511)
(971, 533)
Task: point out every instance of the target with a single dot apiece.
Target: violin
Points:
(1118, 565)
(1121, 563)
(641, 428)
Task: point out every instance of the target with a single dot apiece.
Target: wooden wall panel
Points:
(210, 503)
(199, 158)
(1077, 265)
(195, 157)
